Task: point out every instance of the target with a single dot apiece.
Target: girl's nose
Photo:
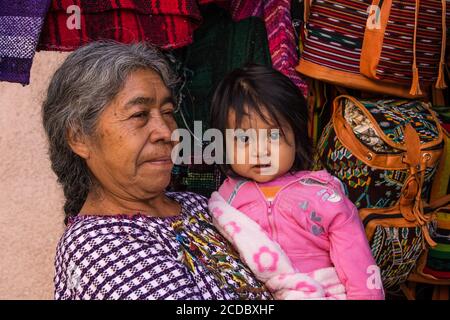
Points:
(260, 148)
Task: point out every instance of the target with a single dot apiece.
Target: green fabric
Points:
(438, 254)
(443, 113)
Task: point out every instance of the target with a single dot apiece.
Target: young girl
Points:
(294, 228)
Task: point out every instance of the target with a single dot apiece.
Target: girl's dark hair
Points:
(258, 88)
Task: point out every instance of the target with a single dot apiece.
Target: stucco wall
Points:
(31, 219)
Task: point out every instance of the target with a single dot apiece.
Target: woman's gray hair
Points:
(79, 91)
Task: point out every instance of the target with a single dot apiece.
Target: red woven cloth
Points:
(167, 24)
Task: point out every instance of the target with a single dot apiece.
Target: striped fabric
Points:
(282, 43)
(397, 55)
(438, 259)
(20, 26)
(335, 33)
(141, 257)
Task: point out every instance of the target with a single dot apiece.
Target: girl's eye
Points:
(274, 135)
(243, 138)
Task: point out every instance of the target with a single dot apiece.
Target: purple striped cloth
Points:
(280, 32)
(145, 258)
(282, 42)
(20, 26)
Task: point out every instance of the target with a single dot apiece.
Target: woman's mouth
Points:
(165, 161)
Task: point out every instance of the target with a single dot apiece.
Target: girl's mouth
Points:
(260, 166)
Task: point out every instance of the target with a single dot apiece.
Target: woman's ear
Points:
(78, 143)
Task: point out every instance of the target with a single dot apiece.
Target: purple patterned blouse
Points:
(141, 257)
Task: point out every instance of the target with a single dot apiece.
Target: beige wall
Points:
(31, 219)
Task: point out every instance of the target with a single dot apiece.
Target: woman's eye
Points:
(140, 115)
(168, 112)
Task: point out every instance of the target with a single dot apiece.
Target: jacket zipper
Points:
(271, 204)
(270, 217)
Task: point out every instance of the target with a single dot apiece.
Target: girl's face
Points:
(250, 158)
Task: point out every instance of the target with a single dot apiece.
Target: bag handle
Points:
(440, 203)
(306, 9)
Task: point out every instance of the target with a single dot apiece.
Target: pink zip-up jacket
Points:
(315, 224)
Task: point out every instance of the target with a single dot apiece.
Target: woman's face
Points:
(130, 152)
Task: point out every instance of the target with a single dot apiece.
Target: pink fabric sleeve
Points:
(351, 255)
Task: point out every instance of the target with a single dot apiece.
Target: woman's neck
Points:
(99, 202)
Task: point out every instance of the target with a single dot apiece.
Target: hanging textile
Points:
(167, 24)
(20, 26)
(282, 41)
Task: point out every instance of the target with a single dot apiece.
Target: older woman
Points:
(109, 119)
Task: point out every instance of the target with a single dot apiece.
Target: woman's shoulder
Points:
(92, 233)
(85, 236)
(96, 252)
(82, 230)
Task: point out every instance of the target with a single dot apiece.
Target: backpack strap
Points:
(410, 202)
(440, 83)
(306, 9)
(415, 86)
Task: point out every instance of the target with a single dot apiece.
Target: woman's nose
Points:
(160, 130)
